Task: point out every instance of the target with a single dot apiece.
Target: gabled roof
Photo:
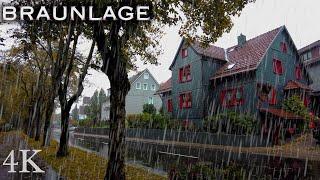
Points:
(133, 78)
(211, 51)
(310, 46)
(281, 113)
(248, 56)
(165, 87)
(292, 84)
(313, 60)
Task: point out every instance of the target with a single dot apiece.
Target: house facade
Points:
(142, 91)
(82, 108)
(310, 56)
(253, 77)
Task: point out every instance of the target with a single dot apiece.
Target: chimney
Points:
(241, 40)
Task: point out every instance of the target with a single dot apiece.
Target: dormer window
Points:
(283, 47)
(184, 52)
(146, 75)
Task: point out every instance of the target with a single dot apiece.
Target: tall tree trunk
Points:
(31, 126)
(64, 138)
(67, 104)
(119, 90)
(116, 70)
(38, 121)
(47, 120)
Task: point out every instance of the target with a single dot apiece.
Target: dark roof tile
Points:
(310, 46)
(165, 87)
(296, 85)
(210, 51)
(248, 56)
(281, 113)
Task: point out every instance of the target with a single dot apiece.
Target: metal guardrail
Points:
(185, 136)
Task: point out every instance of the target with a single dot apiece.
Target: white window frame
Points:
(138, 87)
(150, 100)
(153, 87)
(309, 55)
(146, 75)
(145, 86)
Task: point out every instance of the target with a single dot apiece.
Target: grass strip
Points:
(80, 164)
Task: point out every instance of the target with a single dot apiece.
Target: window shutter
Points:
(189, 100)
(298, 72)
(169, 105)
(240, 98)
(283, 47)
(273, 97)
(184, 53)
(306, 101)
(222, 96)
(181, 101)
(233, 93)
(180, 74)
(277, 66)
(187, 72)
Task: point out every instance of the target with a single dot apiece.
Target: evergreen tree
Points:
(92, 110)
(75, 113)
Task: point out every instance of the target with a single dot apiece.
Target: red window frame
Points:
(169, 105)
(298, 72)
(180, 75)
(232, 93)
(184, 52)
(185, 100)
(283, 47)
(273, 97)
(278, 67)
(306, 101)
(185, 74)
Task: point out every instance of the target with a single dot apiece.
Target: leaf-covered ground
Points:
(81, 164)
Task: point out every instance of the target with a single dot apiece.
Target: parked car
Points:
(72, 128)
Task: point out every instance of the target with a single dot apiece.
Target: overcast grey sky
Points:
(301, 18)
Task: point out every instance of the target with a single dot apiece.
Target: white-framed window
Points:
(138, 85)
(145, 86)
(146, 75)
(153, 87)
(150, 100)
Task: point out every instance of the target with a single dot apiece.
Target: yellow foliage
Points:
(84, 165)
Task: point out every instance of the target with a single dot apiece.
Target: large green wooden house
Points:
(253, 77)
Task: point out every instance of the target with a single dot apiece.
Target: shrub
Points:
(231, 122)
(85, 123)
(133, 120)
(146, 120)
(295, 105)
(149, 108)
(160, 121)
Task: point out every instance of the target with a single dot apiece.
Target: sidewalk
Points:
(11, 141)
(297, 150)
